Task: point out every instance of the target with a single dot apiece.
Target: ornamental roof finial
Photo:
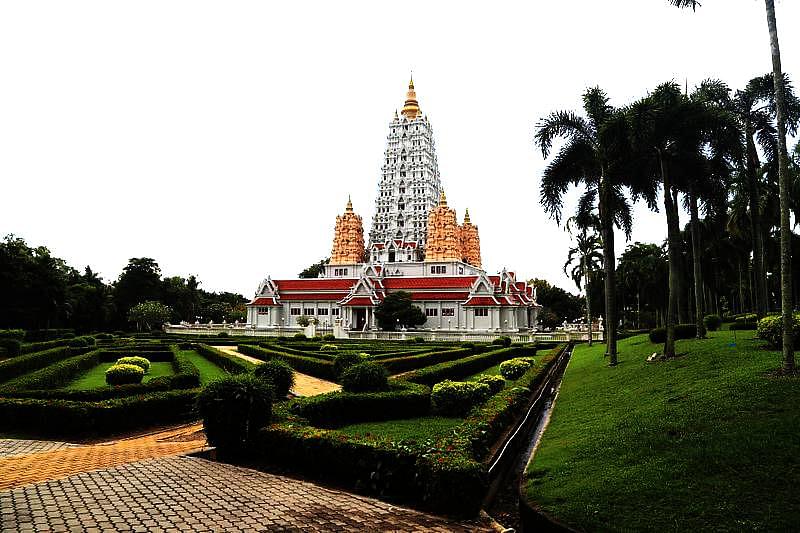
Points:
(411, 107)
(466, 217)
(443, 199)
(349, 205)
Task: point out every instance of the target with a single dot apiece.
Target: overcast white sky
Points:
(222, 138)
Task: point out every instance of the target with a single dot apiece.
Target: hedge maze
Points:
(426, 449)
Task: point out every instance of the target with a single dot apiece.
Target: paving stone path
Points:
(64, 460)
(304, 385)
(11, 447)
(190, 494)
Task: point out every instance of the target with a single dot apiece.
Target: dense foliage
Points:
(124, 374)
(279, 375)
(456, 398)
(365, 377)
(397, 310)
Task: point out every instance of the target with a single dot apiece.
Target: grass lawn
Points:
(710, 440)
(417, 429)
(208, 370)
(96, 377)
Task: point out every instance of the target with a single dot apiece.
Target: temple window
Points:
(309, 311)
(431, 312)
(335, 311)
(438, 269)
(448, 311)
(481, 311)
(263, 310)
(322, 311)
(294, 311)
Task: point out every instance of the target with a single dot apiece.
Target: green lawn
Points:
(96, 377)
(208, 370)
(710, 440)
(422, 428)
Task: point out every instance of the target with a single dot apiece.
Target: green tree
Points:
(558, 304)
(139, 281)
(149, 315)
(595, 155)
(584, 259)
(314, 270)
(643, 270)
(397, 309)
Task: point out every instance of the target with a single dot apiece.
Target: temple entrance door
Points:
(391, 256)
(360, 316)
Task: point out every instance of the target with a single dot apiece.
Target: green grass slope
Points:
(710, 440)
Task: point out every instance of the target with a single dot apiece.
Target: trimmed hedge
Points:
(495, 383)
(403, 364)
(319, 368)
(463, 367)
(682, 331)
(11, 347)
(279, 374)
(123, 374)
(456, 398)
(16, 334)
(187, 376)
(44, 345)
(514, 368)
(141, 362)
(336, 409)
(55, 374)
(66, 417)
(365, 377)
(37, 335)
(24, 364)
(230, 363)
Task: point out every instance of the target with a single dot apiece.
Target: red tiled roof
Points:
(482, 301)
(360, 301)
(313, 296)
(433, 282)
(264, 301)
(459, 296)
(316, 284)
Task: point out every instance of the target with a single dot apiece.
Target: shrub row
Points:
(187, 376)
(319, 368)
(37, 335)
(10, 347)
(17, 334)
(486, 423)
(336, 409)
(463, 367)
(402, 364)
(682, 331)
(43, 345)
(230, 363)
(34, 361)
(456, 398)
(743, 326)
(66, 417)
(55, 374)
(770, 329)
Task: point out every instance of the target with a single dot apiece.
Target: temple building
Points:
(416, 245)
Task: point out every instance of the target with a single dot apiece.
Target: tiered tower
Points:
(444, 234)
(470, 242)
(348, 238)
(409, 185)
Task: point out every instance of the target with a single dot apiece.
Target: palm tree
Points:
(588, 252)
(595, 155)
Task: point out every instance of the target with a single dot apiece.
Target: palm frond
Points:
(561, 124)
(694, 4)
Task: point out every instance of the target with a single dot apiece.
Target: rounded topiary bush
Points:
(495, 383)
(141, 362)
(300, 336)
(682, 331)
(502, 341)
(122, 374)
(770, 329)
(328, 348)
(329, 337)
(279, 374)
(223, 334)
(343, 361)
(365, 377)
(514, 368)
(233, 409)
(712, 322)
(456, 398)
(418, 340)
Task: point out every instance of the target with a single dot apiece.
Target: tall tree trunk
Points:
(607, 231)
(588, 297)
(741, 289)
(760, 273)
(673, 254)
(699, 305)
(783, 182)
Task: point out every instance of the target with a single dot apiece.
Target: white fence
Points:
(428, 335)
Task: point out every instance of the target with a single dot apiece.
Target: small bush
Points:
(141, 362)
(514, 368)
(279, 374)
(17, 334)
(365, 377)
(418, 340)
(343, 361)
(496, 383)
(300, 336)
(303, 321)
(456, 398)
(82, 342)
(328, 348)
(502, 341)
(12, 347)
(712, 322)
(233, 409)
(124, 374)
(329, 337)
(682, 331)
(770, 329)
(223, 334)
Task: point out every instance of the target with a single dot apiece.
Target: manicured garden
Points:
(708, 440)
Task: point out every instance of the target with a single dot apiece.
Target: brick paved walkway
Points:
(304, 385)
(191, 494)
(11, 447)
(65, 460)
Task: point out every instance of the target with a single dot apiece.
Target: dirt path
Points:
(18, 470)
(304, 385)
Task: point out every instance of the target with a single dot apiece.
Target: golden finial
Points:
(466, 216)
(349, 205)
(411, 107)
(443, 199)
